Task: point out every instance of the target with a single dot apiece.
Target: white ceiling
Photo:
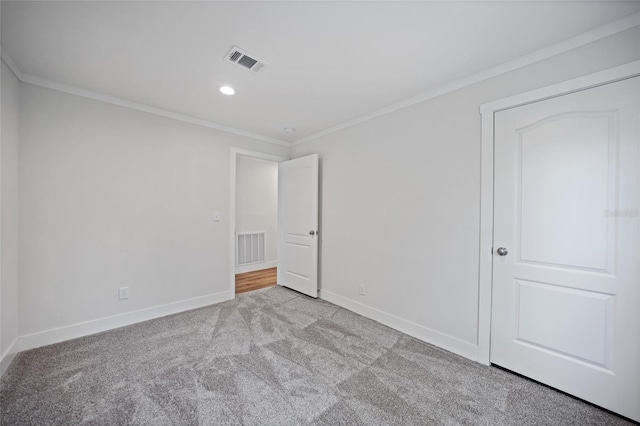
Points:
(329, 62)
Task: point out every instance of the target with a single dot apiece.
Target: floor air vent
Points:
(244, 59)
(249, 248)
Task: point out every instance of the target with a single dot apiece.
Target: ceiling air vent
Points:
(244, 59)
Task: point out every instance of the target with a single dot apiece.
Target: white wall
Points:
(257, 204)
(400, 201)
(112, 197)
(9, 216)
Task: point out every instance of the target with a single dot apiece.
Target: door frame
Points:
(235, 153)
(487, 111)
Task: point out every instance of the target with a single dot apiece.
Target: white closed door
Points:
(298, 224)
(566, 298)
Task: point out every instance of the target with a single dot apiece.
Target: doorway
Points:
(253, 220)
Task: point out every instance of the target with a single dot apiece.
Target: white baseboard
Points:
(444, 341)
(56, 335)
(256, 267)
(74, 331)
(8, 356)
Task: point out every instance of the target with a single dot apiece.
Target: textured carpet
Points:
(271, 357)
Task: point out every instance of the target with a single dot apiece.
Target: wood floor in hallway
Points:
(256, 280)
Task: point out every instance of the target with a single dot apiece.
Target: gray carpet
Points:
(271, 357)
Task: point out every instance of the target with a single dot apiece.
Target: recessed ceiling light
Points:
(227, 90)
(288, 130)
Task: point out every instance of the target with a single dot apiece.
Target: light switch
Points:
(216, 216)
(123, 293)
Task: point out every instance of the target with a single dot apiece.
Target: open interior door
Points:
(298, 224)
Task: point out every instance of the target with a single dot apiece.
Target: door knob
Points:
(312, 232)
(502, 251)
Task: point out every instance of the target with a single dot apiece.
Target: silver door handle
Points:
(502, 251)
(312, 232)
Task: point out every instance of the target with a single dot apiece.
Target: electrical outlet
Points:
(216, 216)
(361, 289)
(123, 293)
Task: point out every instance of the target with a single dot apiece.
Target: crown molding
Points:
(10, 64)
(90, 94)
(97, 96)
(596, 34)
(621, 72)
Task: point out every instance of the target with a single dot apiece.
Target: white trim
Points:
(10, 64)
(596, 34)
(8, 356)
(444, 341)
(581, 83)
(87, 328)
(90, 94)
(486, 239)
(235, 152)
(542, 54)
(256, 267)
(488, 111)
(125, 103)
